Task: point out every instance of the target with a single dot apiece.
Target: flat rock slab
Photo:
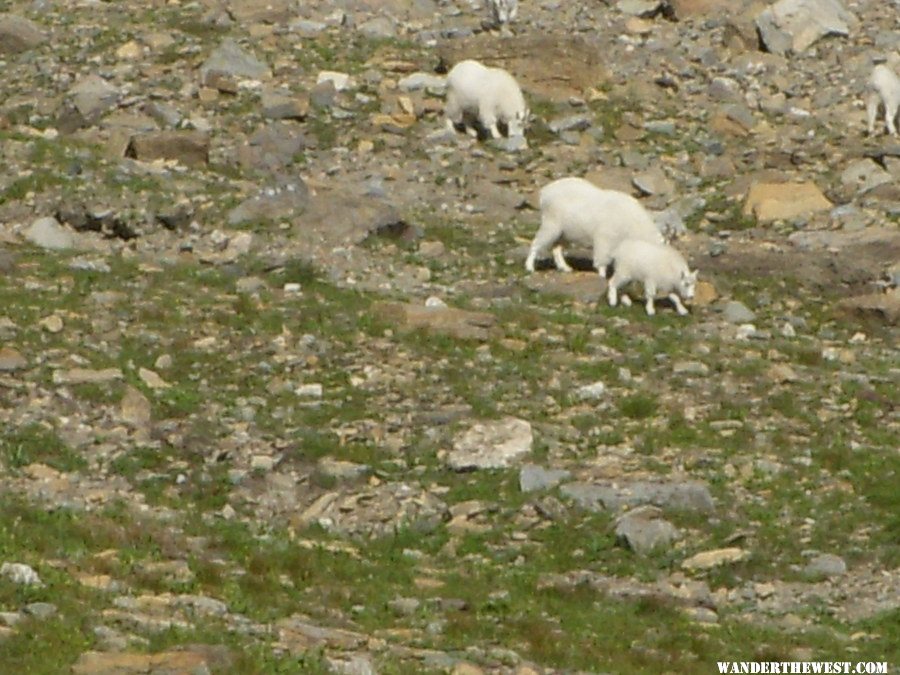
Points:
(86, 376)
(677, 495)
(192, 659)
(707, 560)
(342, 218)
(491, 445)
(191, 148)
(794, 25)
(374, 512)
(271, 204)
(533, 477)
(883, 238)
(581, 286)
(458, 323)
(229, 60)
(883, 307)
(782, 201)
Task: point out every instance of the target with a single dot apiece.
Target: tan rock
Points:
(781, 201)
(190, 148)
(135, 408)
(458, 323)
(11, 359)
(882, 307)
(708, 559)
(52, 323)
(781, 373)
(152, 380)
(705, 294)
(86, 376)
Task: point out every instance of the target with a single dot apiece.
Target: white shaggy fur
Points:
(491, 94)
(577, 211)
(503, 11)
(884, 89)
(659, 267)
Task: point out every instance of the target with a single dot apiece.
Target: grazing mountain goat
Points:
(659, 267)
(580, 213)
(884, 88)
(491, 94)
(503, 11)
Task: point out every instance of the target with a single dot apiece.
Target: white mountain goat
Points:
(884, 88)
(490, 94)
(659, 267)
(578, 212)
(503, 11)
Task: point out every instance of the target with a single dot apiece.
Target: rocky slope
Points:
(276, 394)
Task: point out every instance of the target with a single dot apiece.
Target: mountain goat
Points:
(578, 212)
(491, 95)
(884, 88)
(659, 267)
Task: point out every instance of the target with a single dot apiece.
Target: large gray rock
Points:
(273, 147)
(246, 12)
(229, 60)
(679, 495)
(18, 34)
(533, 477)
(191, 148)
(271, 204)
(92, 96)
(491, 445)
(794, 25)
(49, 234)
(737, 312)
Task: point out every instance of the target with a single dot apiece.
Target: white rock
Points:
(20, 574)
(491, 445)
(49, 234)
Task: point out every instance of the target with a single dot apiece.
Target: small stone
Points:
(592, 391)
(690, 368)
(342, 470)
(135, 408)
(311, 390)
(86, 376)
(11, 360)
(341, 81)
(702, 614)
(737, 312)
(151, 379)
(643, 530)
(404, 606)
(40, 610)
(163, 362)
(262, 463)
(52, 323)
(653, 182)
(570, 123)
(781, 373)
(826, 565)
